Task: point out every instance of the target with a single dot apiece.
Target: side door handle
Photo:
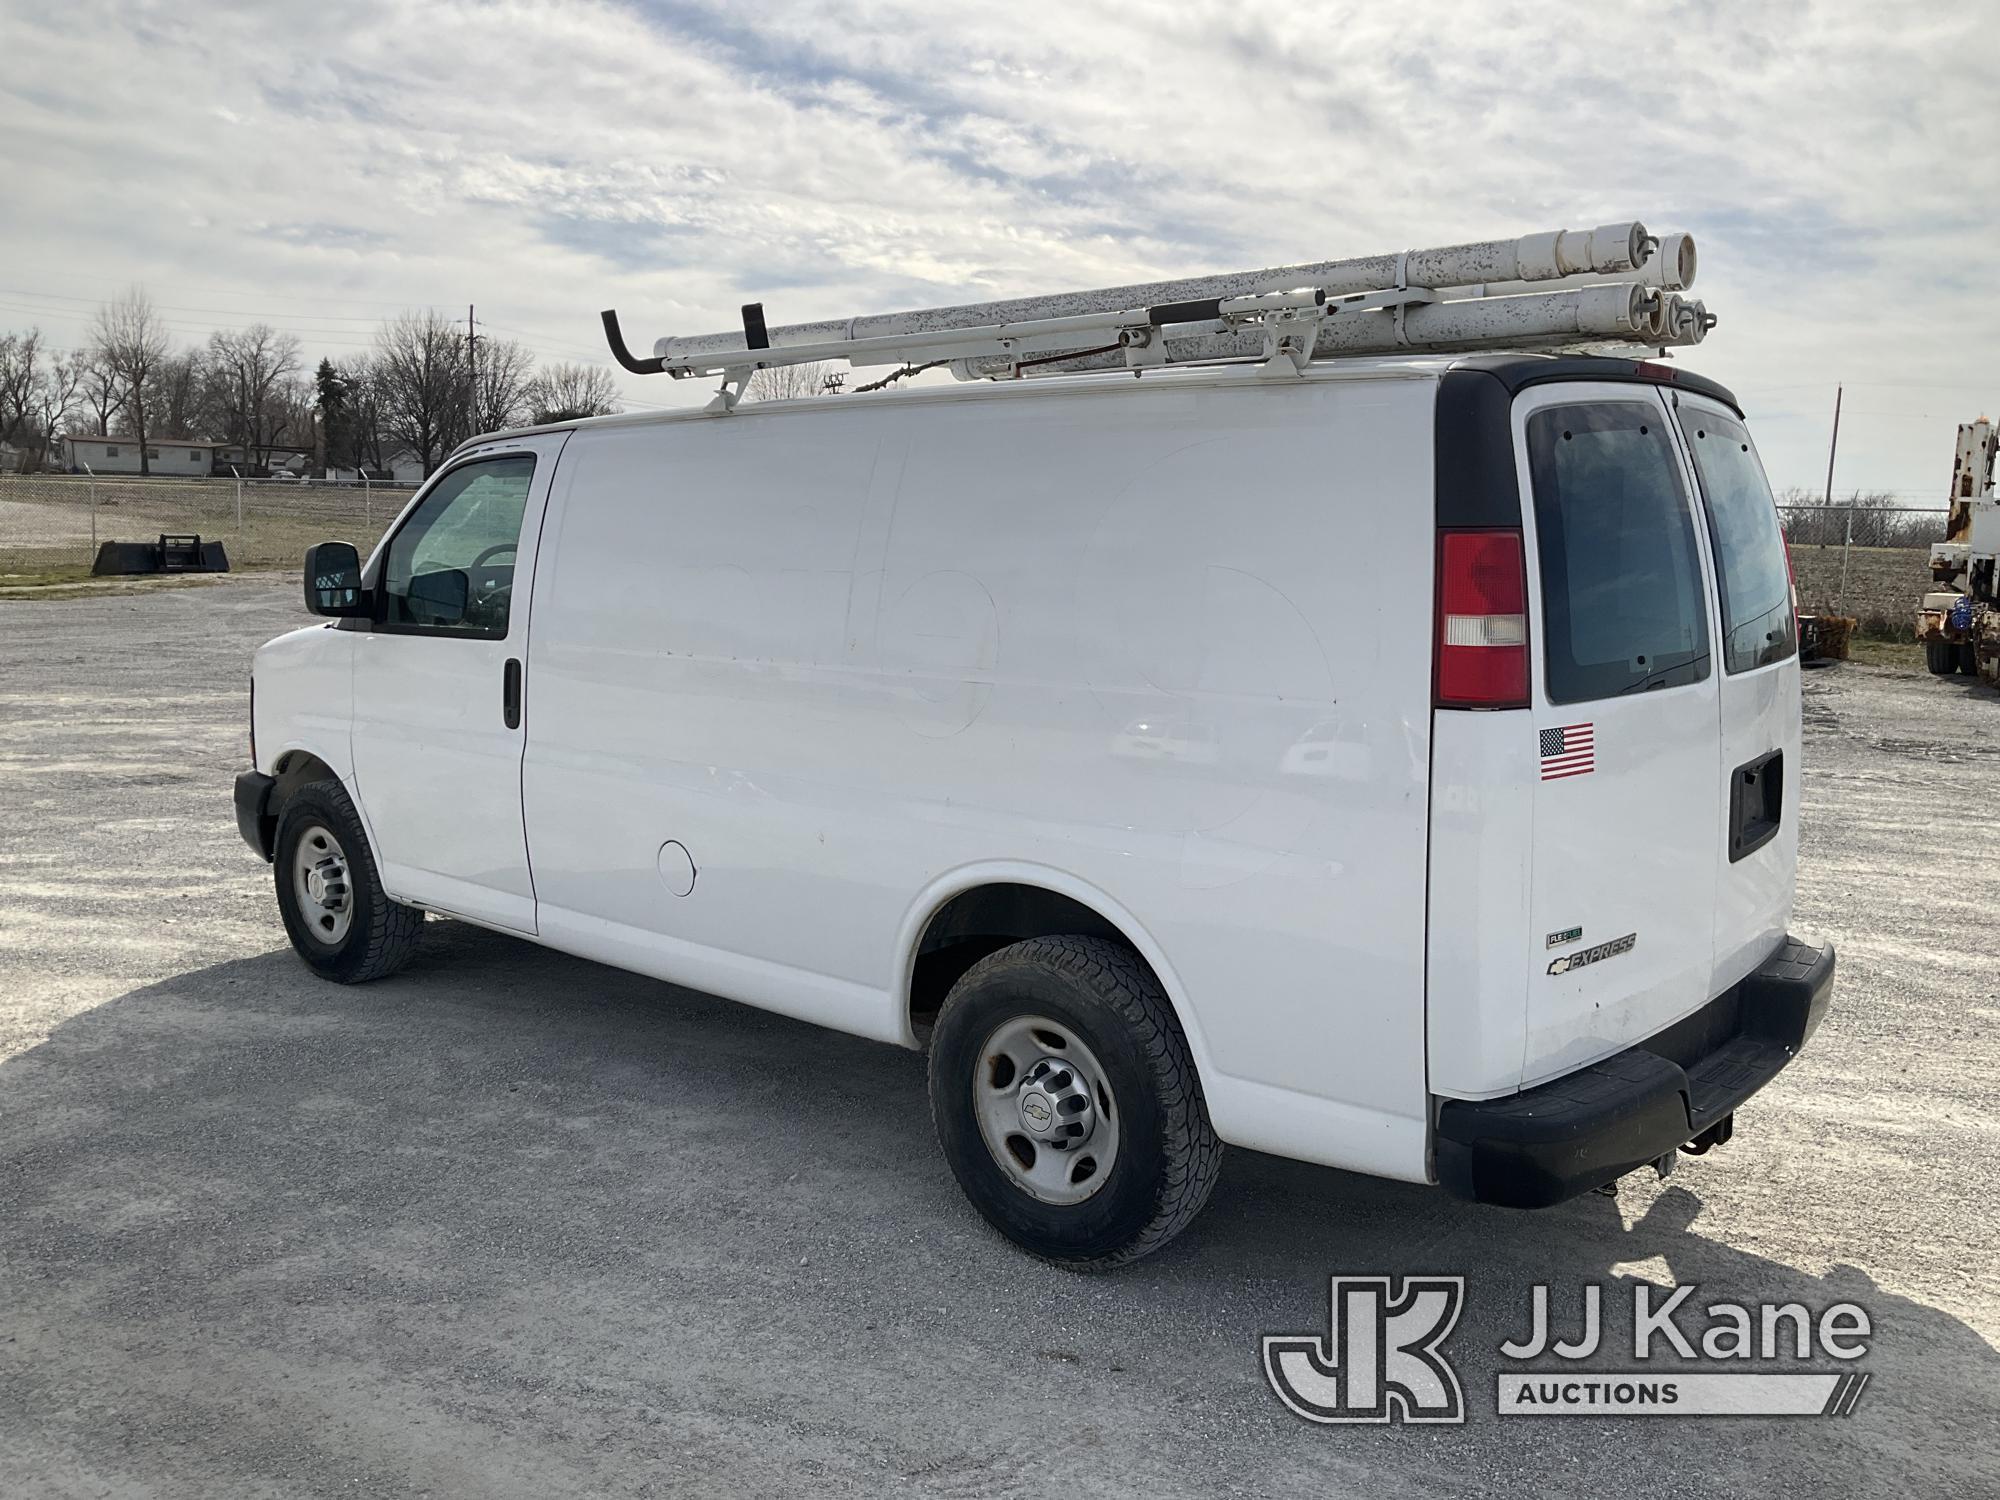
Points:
(510, 693)
(1756, 804)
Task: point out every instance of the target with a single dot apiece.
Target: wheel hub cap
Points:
(321, 885)
(1055, 1105)
(1045, 1110)
(326, 885)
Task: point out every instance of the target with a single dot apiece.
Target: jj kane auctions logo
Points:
(1382, 1359)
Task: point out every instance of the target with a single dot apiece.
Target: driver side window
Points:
(450, 568)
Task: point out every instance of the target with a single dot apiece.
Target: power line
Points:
(223, 291)
(336, 339)
(554, 349)
(228, 312)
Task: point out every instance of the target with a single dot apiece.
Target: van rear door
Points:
(1627, 806)
(1758, 679)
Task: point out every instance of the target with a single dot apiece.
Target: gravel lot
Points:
(513, 1224)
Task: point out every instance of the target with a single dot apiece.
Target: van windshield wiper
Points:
(1652, 678)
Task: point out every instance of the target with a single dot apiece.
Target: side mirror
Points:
(440, 597)
(333, 580)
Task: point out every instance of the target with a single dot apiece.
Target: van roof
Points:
(1516, 371)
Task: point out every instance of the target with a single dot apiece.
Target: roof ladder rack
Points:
(1561, 290)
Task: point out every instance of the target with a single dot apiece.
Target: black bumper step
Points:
(1550, 1143)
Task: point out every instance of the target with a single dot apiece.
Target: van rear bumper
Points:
(1546, 1144)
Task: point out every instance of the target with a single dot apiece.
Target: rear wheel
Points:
(1067, 1104)
(329, 894)
(1941, 657)
(1968, 660)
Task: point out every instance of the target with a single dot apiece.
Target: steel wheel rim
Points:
(323, 886)
(1045, 1109)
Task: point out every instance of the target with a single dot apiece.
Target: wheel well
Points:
(979, 921)
(294, 769)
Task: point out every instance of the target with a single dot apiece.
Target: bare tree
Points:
(56, 392)
(103, 391)
(366, 441)
(253, 367)
(787, 382)
(502, 371)
(288, 414)
(422, 385)
(131, 340)
(175, 395)
(562, 393)
(20, 359)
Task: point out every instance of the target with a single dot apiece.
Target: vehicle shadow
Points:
(515, 1223)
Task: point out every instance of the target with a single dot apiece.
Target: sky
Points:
(323, 165)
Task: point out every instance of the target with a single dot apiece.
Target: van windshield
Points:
(1758, 626)
(1622, 602)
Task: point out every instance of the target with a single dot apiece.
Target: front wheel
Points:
(1968, 659)
(1941, 657)
(330, 895)
(1067, 1105)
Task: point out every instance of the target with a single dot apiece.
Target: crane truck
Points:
(1957, 620)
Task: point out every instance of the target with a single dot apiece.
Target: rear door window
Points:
(1758, 626)
(1622, 601)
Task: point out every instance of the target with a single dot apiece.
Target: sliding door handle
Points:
(510, 693)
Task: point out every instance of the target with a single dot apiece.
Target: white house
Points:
(120, 455)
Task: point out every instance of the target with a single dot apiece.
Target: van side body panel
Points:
(1163, 646)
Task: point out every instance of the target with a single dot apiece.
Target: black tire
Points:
(1968, 660)
(1168, 1156)
(380, 934)
(1941, 657)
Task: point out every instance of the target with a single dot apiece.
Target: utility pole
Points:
(1847, 536)
(471, 375)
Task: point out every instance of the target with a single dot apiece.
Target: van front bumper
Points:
(1590, 1127)
(253, 812)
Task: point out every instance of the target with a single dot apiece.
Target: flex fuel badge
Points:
(1566, 936)
(1598, 954)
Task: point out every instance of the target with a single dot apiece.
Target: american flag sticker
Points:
(1569, 751)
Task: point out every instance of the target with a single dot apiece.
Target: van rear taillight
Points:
(1482, 620)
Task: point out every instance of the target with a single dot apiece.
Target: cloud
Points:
(677, 157)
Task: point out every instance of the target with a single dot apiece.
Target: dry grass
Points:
(49, 527)
(1904, 655)
(1883, 585)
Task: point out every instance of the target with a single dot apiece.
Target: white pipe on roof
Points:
(1613, 311)
(1529, 259)
(1670, 268)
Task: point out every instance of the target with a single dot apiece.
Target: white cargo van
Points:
(1393, 767)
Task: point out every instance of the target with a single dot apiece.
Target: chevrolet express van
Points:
(1395, 767)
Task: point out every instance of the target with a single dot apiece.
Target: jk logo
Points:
(1381, 1361)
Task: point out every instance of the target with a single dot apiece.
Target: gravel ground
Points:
(513, 1224)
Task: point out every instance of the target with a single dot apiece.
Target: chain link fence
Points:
(1868, 562)
(51, 524)
(1863, 526)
